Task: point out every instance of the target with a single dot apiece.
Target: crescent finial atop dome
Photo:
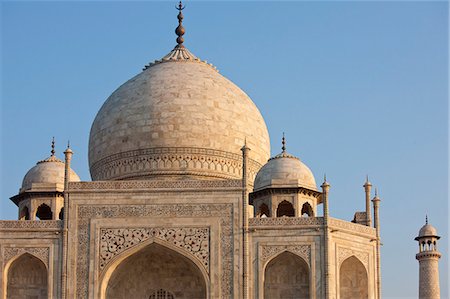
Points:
(180, 53)
(180, 29)
(53, 147)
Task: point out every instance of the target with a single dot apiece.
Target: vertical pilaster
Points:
(245, 249)
(68, 157)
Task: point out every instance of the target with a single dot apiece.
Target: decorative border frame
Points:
(88, 213)
(268, 251)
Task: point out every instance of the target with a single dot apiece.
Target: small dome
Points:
(285, 170)
(48, 173)
(427, 231)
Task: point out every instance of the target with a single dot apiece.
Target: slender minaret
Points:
(325, 190)
(428, 258)
(367, 186)
(376, 222)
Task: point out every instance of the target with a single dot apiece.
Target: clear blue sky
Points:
(358, 87)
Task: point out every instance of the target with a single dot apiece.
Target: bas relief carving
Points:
(40, 252)
(193, 240)
(270, 251)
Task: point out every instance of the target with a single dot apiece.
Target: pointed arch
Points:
(285, 208)
(164, 266)
(353, 280)
(44, 212)
(307, 209)
(286, 275)
(263, 210)
(61, 214)
(26, 277)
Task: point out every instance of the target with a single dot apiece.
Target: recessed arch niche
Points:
(156, 268)
(27, 278)
(286, 277)
(353, 281)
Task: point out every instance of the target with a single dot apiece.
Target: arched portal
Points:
(156, 269)
(263, 210)
(44, 212)
(286, 277)
(307, 210)
(285, 208)
(353, 280)
(27, 278)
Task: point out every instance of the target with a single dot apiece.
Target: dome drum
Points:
(171, 163)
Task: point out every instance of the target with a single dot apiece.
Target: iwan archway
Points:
(156, 269)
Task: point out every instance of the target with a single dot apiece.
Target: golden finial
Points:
(53, 147)
(283, 143)
(180, 29)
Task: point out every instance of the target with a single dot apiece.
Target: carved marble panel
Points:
(41, 253)
(270, 251)
(193, 240)
(344, 253)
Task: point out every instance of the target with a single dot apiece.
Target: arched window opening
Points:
(156, 272)
(44, 212)
(24, 214)
(307, 210)
(161, 294)
(285, 208)
(61, 214)
(286, 276)
(353, 281)
(27, 278)
(263, 211)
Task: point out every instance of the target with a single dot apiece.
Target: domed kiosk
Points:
(285, 186)
(178, 119)
(41, 194)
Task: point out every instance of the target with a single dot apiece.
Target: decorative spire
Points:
(68, 150)
(180, 29)
(426, 219)
(325, 184)
(53, 147)
(376, 192)
(283, 143)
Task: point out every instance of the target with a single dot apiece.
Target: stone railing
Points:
(31, 224)
(150, 184)
(285, 221)
(354, 227)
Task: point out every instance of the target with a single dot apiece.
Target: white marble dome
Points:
(284, 170)
(47, 175)
(427, 231)
(179, 118)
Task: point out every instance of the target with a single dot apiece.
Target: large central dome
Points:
(177, 119)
